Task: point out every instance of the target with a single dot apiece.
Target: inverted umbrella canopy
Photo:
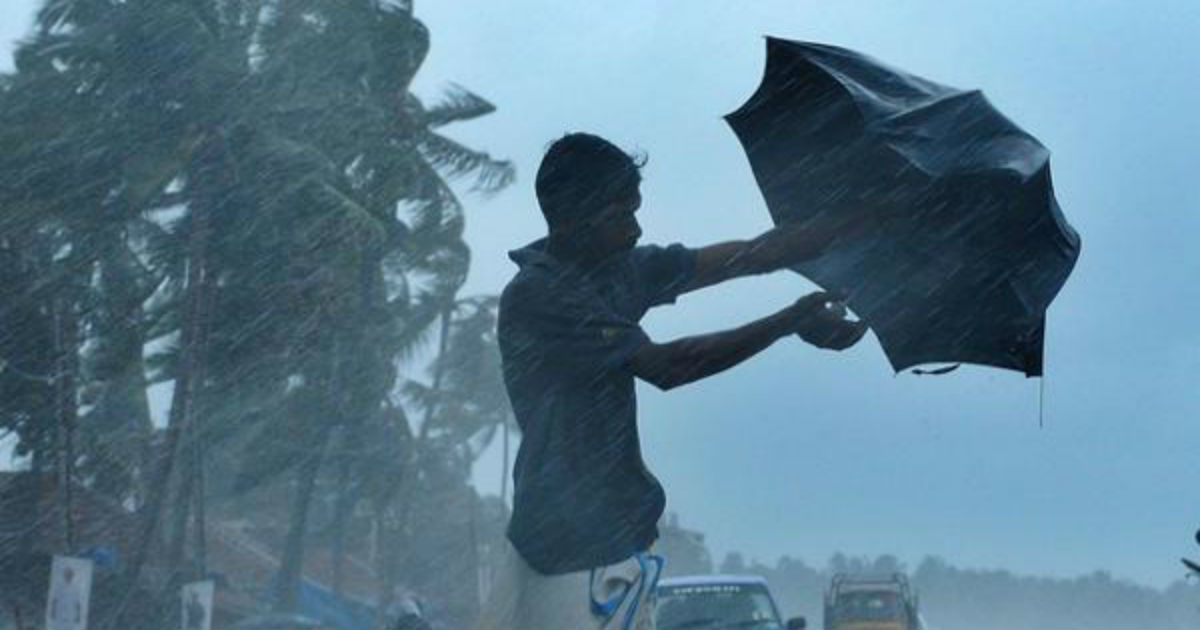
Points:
(974, 246)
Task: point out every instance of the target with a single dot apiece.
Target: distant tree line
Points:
(241, 201)
(953, 598)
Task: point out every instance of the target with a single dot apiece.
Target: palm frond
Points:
(415, 325)
(457, 105)
(457, 161)
(58, 14)
(362, 223)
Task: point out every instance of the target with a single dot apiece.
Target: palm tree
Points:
(466, 405)
(65, 193)
(314, 236)
(465, 408)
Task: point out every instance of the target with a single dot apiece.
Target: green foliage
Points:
(467, 403)
(292, 125)
(248, 190)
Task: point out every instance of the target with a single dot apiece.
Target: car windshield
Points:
(713, 606)
(868, 605)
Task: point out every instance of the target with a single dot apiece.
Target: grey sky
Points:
(805, 453)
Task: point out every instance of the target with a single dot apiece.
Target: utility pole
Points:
(64, 388)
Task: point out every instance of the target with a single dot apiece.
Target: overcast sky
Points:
(803, 452)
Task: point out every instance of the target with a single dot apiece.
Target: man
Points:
(585, 507)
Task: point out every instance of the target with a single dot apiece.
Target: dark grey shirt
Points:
(583, 497)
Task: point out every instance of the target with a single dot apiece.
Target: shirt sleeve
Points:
(568, 327)
(663, 272)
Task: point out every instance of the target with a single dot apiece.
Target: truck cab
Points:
(862, 602)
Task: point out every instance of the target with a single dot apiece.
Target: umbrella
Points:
(974, 246)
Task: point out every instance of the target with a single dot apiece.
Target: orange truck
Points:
(867, 602)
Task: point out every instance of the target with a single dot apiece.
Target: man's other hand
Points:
(821, 321)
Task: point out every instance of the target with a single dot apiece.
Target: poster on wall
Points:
(197, 605)
(70, 590)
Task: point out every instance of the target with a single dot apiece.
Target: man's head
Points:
(588, 191)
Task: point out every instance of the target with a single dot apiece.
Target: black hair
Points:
(581, 173)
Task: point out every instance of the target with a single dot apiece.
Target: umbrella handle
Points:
(936, 371)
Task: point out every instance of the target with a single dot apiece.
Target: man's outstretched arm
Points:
(682, 361)
(777, 248)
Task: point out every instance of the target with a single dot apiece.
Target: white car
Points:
(718, 602)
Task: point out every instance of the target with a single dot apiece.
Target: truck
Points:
(871, 602)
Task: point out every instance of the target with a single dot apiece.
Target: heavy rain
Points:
(537, 315)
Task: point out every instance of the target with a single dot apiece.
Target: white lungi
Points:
(523, 599)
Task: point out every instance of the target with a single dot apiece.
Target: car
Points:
(718, 602)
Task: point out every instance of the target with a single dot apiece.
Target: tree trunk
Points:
(121, 417)
(179, 513)
(387, 567)
(37, 467)
(291, 567)
(385, 531)
(439, 371)
(186, 382)
(504, 461)
(200, 522)
(66, 338)
(345, 504)
(481, 581)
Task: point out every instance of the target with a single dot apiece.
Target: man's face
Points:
(615, 228)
